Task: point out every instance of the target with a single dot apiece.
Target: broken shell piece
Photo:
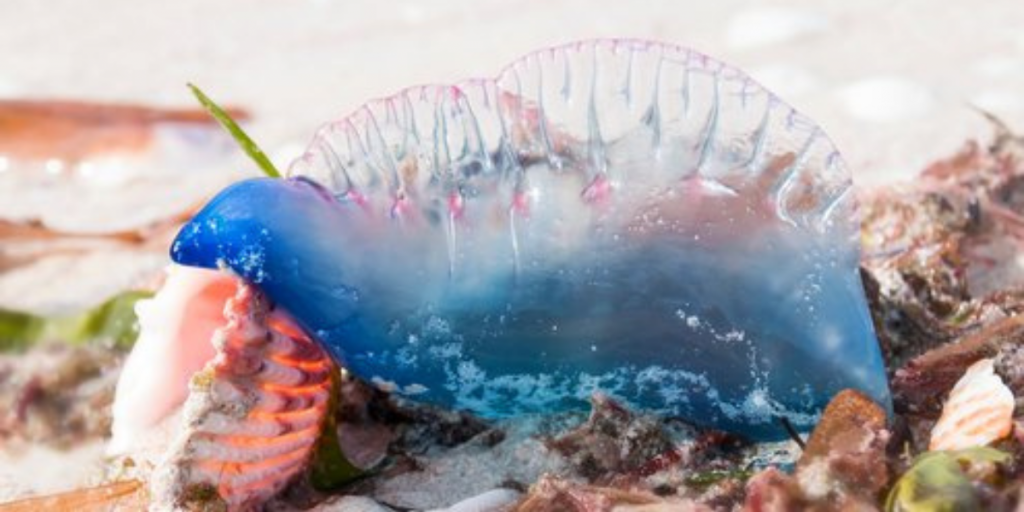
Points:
(254, 414)
(175, 329)
(978, 412)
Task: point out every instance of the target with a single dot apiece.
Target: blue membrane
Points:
(692, 301)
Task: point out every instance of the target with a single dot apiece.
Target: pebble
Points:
(351, 504)
(490, 501)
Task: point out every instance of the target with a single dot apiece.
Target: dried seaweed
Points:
(613, 441)
(113, 322)
(61, 396)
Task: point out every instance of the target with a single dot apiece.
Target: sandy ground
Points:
(892, 82)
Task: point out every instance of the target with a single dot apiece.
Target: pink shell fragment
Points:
(979, 411)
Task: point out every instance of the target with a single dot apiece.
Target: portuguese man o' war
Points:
(620, 216)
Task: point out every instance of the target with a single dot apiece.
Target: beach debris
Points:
(979, 411)
(845, 459)
(255, 414)
(950, 480)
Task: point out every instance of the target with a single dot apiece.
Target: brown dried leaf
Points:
(73, 130)
(126, 495)
(25, 243)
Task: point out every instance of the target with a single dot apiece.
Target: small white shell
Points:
(978, 412)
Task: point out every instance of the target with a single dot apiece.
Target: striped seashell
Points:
(254, 414)
(979, 411)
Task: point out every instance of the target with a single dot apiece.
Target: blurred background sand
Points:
(893, 82)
